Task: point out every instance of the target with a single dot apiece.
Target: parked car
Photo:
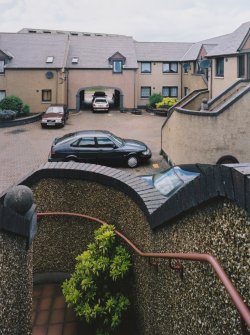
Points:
(100, 104)
(99, 94)
(55, 116)
(172, 179)
(98, 147)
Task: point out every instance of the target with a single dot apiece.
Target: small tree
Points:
(12, 103)
(94, 290)
(154, 99)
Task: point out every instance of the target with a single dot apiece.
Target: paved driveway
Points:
(24, 148)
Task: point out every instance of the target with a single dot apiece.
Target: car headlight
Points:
(146, 152)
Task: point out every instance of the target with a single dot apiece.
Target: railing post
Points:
(17, 229)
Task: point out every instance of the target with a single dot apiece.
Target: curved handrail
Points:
(235, 296)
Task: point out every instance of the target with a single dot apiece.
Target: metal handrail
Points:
(235, 296)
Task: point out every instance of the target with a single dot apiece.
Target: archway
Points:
(85, 95)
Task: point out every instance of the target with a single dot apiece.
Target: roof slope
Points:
(31, 51)
(231, 42)
(94, 51)
(161, 51)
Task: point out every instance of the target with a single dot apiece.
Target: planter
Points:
(158, 111)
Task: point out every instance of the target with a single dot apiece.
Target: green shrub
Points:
(95, 289)
(12, 103)
(154, 99)
(26, 110)
(166, 103)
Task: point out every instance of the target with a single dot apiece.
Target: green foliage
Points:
(94, 290)
(154, 99)
(15, 104)
(26, 110)
(166, 103)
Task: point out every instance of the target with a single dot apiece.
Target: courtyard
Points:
(25, 148)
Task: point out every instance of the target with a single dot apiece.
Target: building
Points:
(48, 66)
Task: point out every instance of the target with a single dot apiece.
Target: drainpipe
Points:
(211, 79)
(181, 81)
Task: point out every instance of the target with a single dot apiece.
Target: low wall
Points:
(165, 303)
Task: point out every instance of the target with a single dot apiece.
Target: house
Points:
(211, 124)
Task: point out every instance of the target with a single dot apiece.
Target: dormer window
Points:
(75, 60)
(50, 59)
(117, 66)
(117, 62)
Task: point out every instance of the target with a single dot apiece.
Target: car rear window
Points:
(64, 138)
(100, 100)
(54, 109)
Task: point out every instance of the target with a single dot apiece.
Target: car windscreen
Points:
(64, 138)
(57, 110)
(118, 141)
(169, 181)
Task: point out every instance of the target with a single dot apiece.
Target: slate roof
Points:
(161, 51)
(31, 51)
(94, 51)
(230, 43)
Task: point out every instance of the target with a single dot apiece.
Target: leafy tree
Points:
(94, 290)
(11, 103)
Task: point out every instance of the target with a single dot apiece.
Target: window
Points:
(87, 142)
(170, 67)
(241, 66)
(220, 67)
(46, 95)
(170, 91)
(145, 92)
(105, 142)
(50, 59)
(117, 66)
(186, 91)
(2, 95)
(1, 66)
(145, 67)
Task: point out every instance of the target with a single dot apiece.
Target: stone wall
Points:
(165, 303)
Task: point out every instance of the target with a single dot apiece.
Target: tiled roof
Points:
(231, 42)
(161, 51)
(31, 51)
(94, 51)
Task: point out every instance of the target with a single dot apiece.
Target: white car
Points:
(100, 104)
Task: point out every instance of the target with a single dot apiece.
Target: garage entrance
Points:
(85, 95)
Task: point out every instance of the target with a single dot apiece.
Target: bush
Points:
(7, 115)
(154, 99)
(14, 104)
(26, 110)
(166, 103)
(94, 290)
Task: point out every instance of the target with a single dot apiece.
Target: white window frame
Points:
(117, 66)
(143, 89)
(2, 94)
(50, 59)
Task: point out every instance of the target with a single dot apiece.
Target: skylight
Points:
(50, 59)
(75, 60)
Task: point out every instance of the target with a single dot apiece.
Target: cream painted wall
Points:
(191, 138)
(156, 80)
(192, 81)
(230, 76)
(28, 85)
(126, 82)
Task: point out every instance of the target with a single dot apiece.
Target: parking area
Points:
(25, 148)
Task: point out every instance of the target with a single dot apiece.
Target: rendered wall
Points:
(192, 81)
(156, 80)
(94, 78)
(28, 85)
(165, 303)
(190, 138)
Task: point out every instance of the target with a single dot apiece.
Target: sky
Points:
(145, 20)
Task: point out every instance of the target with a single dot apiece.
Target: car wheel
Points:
(63, 123)
(132, 161)
(70, 159)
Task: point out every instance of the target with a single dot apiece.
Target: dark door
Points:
(108, 152)
(85, 149)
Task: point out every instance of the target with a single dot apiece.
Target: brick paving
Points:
(24, 148)
(50, 316)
